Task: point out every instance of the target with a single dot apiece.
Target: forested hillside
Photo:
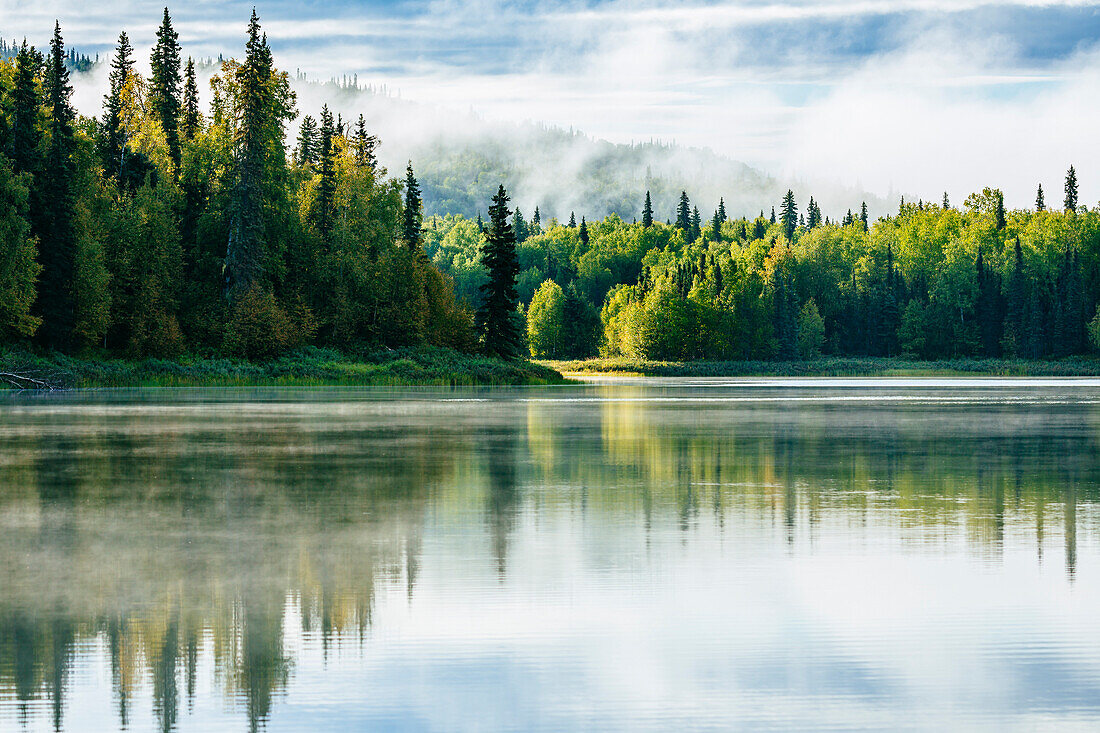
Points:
(165, 226)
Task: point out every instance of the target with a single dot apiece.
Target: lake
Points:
(628, 554)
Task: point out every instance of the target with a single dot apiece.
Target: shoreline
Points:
(1075, 366)
(308, 367)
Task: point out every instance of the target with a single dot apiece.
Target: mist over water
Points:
(656, 555)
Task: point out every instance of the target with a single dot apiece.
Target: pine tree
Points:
(25, 104)
(410, 231)
(326, 186)
(1071, 190)
(999, 211)
(722, 210)
(164, 95)
(946, 201)
(683, 213)
(55, 225)
(536, 220)
(647, 212)
(364, 146)
(716, 225)
(497, 319)
(788, 214)
(18, 268)
(584, 232)
(309, 143)
(192, 117)
(572, 220)
(863, 216)
(114, 137)
(520, 227)
(263, 107)
(1040, 202)
(696, 224)
(773, 215)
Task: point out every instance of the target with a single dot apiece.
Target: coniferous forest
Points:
(250, 227)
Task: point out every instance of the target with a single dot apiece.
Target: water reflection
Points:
(164, 553)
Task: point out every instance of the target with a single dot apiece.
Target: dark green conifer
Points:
(25, 105)
(1040, 202)
(999, 211)
(497, 319)
(683, 213)
(326, 186)
(411, 231)
(863, 216)
(308, 151)
(788, 214)
(364, 146)
(164, 88)
(192, 117)
(584, 232)
(1071, 189)
(647, 212)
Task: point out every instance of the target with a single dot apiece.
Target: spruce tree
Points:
(164, 94)
(863, 216)
(572, 220)
(55, 222)
(25, 105)
(584, 232)
(946, 201)
(722, 209)
(364, 145)
(1071, 190)
(683, 213)
(536, 220)
(1015, 338)
(788, 214)
(716, 225)
(773, 215)
(410, 230)
(309, 143)
(260, 117)
(1040, 202)
(647, 212)
(519, 226)
(999, 211)
(696, 224)
(326, 186)
(114, 136)
(192, 117)
(497, 319)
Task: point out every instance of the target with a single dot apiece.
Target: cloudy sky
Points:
(911, 95)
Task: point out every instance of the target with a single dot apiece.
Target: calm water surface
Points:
(661, 555)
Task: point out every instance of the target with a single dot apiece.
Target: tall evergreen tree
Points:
(716, 225)
(722, 209)
(683, 213)
(25, 105)
(55, 221)
(497, 319)
(114, 135)
(164, 88)
(773, 215)
(696, 224)
(999, 211)
(308, 151)
(410, 230)
(584, 232)
(263, 104)
(326, 186)
(788, 214)
(1071, 189)
(536, 220)
(863, 216)
(364, 145)
(192, 117)
(1015, 337)
(946, 201)
(647, 212)
(1040, 202)
(572, 220)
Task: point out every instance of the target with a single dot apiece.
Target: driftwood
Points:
(22, 381)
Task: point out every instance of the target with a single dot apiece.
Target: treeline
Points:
(163, 227)
(932, 281)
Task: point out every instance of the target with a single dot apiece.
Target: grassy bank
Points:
(835, 367)
(306, 367)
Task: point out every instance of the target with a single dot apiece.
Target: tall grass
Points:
(309, 366)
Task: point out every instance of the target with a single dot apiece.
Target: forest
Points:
(162, 228)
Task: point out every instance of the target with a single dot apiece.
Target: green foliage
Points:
(497, 318)
(18, 267)
(811, 331)
(546, 321)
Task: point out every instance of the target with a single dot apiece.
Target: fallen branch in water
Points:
(21, 381)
